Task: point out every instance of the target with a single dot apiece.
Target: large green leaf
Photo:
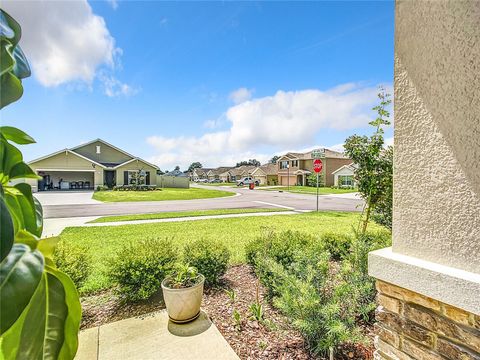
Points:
(7, 231)
(11, 89)
(22, 171)
(9, 28)
(20, 274)
(9, 157)
(49, 325)
(7, 60)
(32, 213)
(21, 68)
(16, 135)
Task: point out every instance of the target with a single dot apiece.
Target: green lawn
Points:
(312, 190)
(102, 242)
(180, 214)
(159, 195)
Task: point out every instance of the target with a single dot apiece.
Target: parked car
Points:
(247, 181)
(202, 180)
(215, 181)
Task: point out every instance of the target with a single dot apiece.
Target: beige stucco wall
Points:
(173, 181)
(66, 160)
(107, 153)
(437, 132)
(136, 165)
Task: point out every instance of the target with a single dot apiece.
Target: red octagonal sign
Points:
(317, 165)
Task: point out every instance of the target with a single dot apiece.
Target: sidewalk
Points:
(153, 336)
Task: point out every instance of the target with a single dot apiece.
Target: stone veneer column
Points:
(429, 281)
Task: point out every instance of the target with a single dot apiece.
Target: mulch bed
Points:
(271, 339)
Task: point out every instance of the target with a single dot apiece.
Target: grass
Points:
(312, 190)
(103, 242)
(159, 195)
(180, 214)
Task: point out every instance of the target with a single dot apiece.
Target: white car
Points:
(247, 181)
(201, 180)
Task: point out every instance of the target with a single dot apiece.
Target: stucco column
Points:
(433, 266)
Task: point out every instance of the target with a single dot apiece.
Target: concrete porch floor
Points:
(153, 336)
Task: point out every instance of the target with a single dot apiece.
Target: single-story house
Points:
(200, 173)
(87, 166)
(176, 173)
(294, 168)
(344, 176)
(266, 174)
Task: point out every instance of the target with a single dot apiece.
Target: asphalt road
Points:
(245, 199)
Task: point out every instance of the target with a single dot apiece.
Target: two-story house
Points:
(294, 168)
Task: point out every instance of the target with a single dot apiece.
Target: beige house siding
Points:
(107, 153)
(329, 166)
(135, 166)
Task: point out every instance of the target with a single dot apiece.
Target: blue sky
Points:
(215, 82)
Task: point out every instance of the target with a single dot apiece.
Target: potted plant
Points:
(182, 292)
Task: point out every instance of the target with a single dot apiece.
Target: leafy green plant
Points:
(209, 257)
(374, 173)
(182, 276)
(237, 319)
(256, 311)
(232, 295)
(39, 306)
(74, 260)
(139, 267)
(338, 245)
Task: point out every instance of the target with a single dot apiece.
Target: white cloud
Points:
(241, 95)
(114, 87)
(283, 121)
(113, 4)
(63, 40)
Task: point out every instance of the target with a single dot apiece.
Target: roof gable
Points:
(109, 155)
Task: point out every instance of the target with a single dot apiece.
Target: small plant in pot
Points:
(182, 292)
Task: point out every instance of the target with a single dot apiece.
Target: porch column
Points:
(429, 280)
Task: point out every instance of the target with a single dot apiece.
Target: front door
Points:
(109, 178)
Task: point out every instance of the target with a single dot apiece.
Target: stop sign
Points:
(317, 165)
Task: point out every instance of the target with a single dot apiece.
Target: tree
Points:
(177, 168)
(312, 180)
(39, 306)
(194, 165)
(274, 159)
(250, 162)
(374, 172)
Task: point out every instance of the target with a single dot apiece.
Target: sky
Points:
(215, 82)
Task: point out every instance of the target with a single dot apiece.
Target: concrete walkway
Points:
(153, 336)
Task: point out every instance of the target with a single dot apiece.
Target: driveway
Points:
(47, 198)
(246, 199)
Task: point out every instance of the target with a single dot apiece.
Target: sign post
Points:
(317, 167)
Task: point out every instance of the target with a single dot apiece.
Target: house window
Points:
(294, 163)
(98, 149)
(136, 177)
(345, 180)
(283, 165)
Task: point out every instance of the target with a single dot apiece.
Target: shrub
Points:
(73, 260)
(324, 299)
(102, 188)
(338, 245)
(280, 246)
(139, 267)
(209, 257)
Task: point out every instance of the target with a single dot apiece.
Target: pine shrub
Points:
(139, 267)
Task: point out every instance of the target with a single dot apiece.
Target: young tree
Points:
(194, 165)
(177, 168)
(274, 159)
(374, 173)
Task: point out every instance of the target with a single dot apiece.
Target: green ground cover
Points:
(312, 190)
(180, 214)
(103, 242)
(159, 195)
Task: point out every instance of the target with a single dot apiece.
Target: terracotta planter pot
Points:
(183, 305)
